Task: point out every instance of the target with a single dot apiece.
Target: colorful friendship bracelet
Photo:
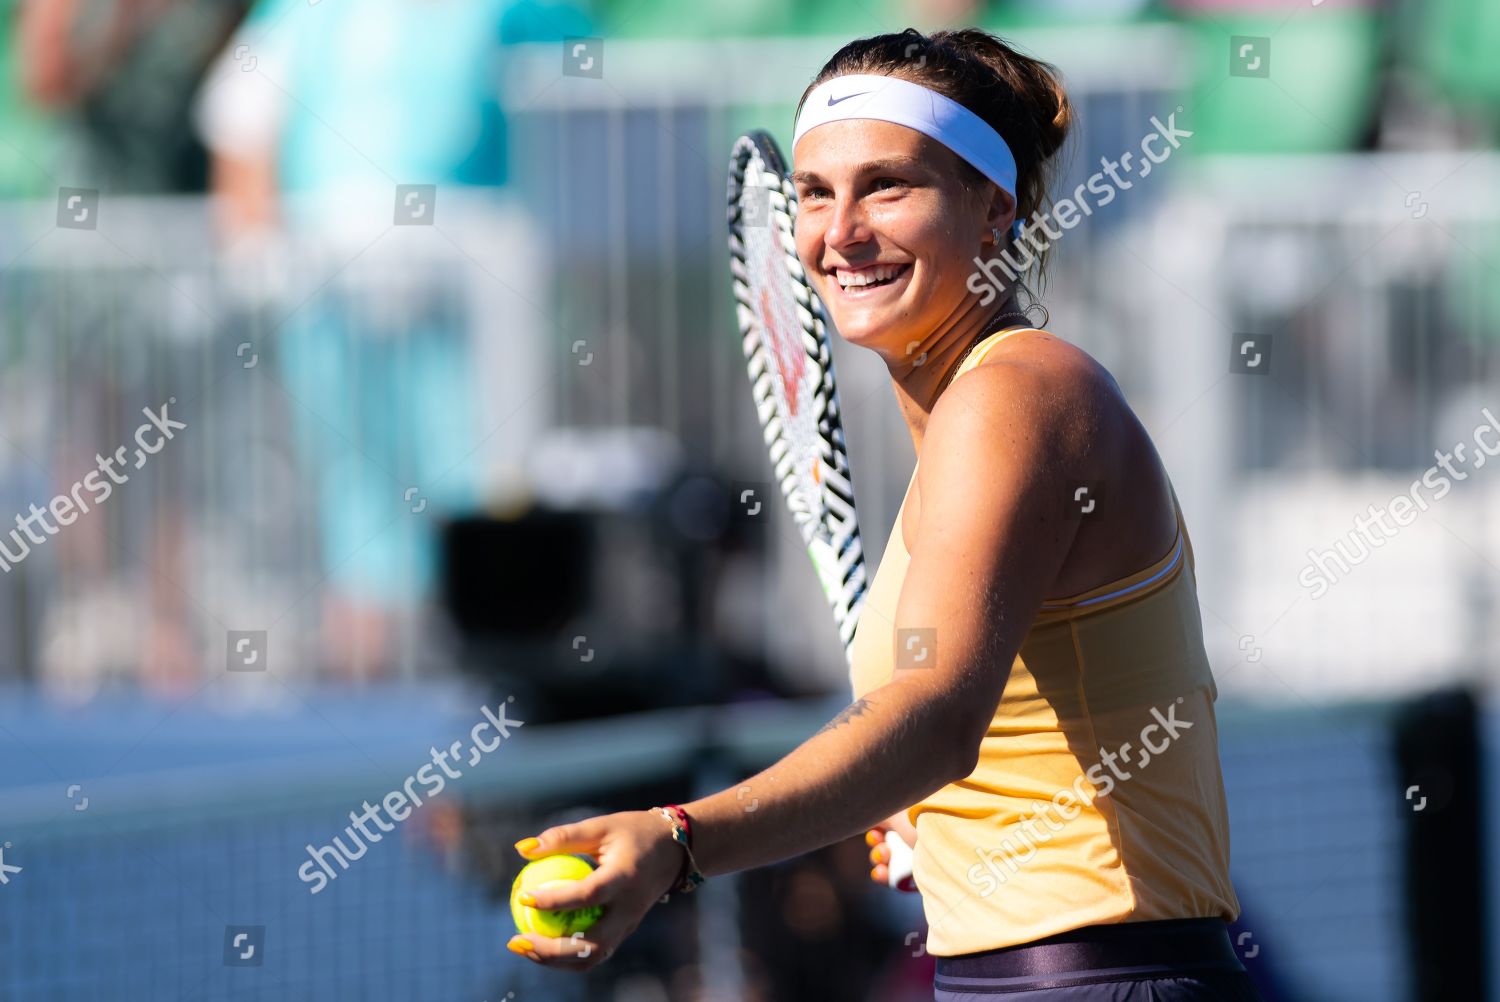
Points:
(689, 877)
(682, 816)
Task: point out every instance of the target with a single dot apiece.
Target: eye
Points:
(813, 192)
(887, 183)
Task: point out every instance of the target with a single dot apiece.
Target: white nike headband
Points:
(901, 102)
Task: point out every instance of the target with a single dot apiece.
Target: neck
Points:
(924, 372)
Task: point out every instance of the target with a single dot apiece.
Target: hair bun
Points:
(1055, 127)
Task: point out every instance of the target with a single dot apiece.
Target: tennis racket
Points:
(784, 329)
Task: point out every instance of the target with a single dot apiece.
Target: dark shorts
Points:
(1180, 960)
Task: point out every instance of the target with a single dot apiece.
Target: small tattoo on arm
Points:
(848, 713)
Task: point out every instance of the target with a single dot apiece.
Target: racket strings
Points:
(785, 338)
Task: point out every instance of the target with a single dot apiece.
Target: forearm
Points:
(883, 753)
(245, 191)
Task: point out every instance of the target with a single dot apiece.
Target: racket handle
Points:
(899, 868)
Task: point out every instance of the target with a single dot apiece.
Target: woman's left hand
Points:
(638, 862)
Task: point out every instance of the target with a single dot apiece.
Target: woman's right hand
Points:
(880, 853)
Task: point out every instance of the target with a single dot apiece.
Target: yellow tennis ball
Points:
(548, 870)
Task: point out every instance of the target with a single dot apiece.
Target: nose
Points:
(847, 225)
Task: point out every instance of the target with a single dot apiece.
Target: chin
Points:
(859, 328)
(877, 333)
(883, 326)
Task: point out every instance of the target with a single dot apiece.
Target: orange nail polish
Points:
(521, 945)
(873, 838)
(527, 844)
(874, 875)
(527, 899)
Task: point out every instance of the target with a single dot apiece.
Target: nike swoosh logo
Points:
(835, 100)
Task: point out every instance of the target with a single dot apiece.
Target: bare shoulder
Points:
(1021, 431)
(1056, 417)
(1032, 384)
(1049, 356)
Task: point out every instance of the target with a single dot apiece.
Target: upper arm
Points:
(1000, 449)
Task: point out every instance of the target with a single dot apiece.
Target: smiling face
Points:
(888, 231)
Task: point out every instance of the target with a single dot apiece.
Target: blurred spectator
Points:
(97, 93)
(314, 115)
(124, 72)
(30, 141)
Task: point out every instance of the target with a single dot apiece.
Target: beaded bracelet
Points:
(689, 876)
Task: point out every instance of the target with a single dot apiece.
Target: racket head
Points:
(784, 330)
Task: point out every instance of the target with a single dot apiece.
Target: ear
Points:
(1001, 210)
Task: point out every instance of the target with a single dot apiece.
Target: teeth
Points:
(868, 276)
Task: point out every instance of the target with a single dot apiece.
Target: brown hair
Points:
(1019, 97)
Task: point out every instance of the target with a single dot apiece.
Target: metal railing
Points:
(603, 304)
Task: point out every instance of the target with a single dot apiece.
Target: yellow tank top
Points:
(1098, 796)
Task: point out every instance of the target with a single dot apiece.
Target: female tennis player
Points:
(1034, 704)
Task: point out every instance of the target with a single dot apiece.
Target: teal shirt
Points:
(404, 91)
